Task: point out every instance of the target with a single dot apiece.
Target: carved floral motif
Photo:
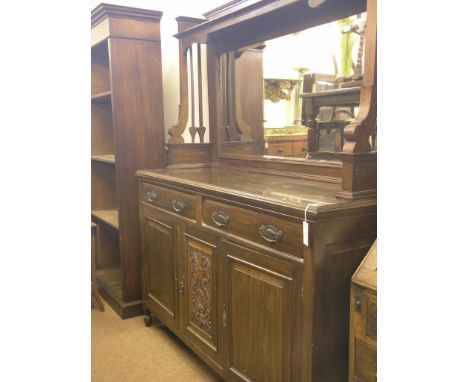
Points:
(277, 89)
(200, 290)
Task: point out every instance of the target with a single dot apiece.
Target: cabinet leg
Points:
(148, 318)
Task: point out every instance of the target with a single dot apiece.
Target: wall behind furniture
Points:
(169, 44)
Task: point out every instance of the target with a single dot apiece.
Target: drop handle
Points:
(220, 219)
(151, 196)
(357, 304)
(178, 205)
(270, 233)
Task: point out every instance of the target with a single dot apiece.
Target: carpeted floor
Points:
(128, 351)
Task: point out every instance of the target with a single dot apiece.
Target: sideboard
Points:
(227, 269)
(247, 257)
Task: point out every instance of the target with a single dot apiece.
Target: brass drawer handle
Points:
(151, 196)
(357, 304)
(178, 205)
(270, 234)
(220, 219)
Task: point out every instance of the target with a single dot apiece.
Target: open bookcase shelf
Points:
(102, 131)
(126, 86)
(100, 69)
(102, 97)
(109, 217)
(103, 186)
(111, 279)
(109, 158)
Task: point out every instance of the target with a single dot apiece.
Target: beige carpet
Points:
(128, 351)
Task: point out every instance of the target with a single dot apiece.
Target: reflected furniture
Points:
(289, 141)
(286, 145)
(346, 97)
(363, 321)
(127, 133)
(248, 258)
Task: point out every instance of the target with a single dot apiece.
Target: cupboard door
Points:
(199, 310)
(259, 315)
(159, 269)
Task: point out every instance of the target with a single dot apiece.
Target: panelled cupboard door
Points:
(260, 306)
(159, 268)
(199, 295)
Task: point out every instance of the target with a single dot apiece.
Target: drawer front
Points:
(262, 228)
(299, 147)
(177, 202)
(365, 314)
(371, 320)
(365, 363)
(281, 149)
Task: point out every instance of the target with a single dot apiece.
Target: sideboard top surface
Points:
(292, 193)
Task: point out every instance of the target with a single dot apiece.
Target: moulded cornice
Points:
(103, 11)
(191, 19)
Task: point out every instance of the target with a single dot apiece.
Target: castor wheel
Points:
(148, 319)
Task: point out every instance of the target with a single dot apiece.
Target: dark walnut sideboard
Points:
(226, 269)
(248, 258)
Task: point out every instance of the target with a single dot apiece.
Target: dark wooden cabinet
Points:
(227, 270)
(180, 275)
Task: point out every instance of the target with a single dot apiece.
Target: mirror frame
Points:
(246, 22)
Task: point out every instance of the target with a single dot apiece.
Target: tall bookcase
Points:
(127, 134)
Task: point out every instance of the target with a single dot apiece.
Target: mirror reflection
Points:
(293, 96)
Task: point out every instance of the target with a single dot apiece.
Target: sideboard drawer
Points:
(282, 149)
(365, 363)
(265, 229)
(174, 201)
(371, 319)
(300, 147)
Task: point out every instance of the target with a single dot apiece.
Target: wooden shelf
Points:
(109, 217)
(109, 282)
(111, 279)
(103, 186)
(108, 158)
(101, 97)
(100, 70)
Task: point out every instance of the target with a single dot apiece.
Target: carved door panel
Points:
(199, 299)
(260, 298)
(159, 269)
